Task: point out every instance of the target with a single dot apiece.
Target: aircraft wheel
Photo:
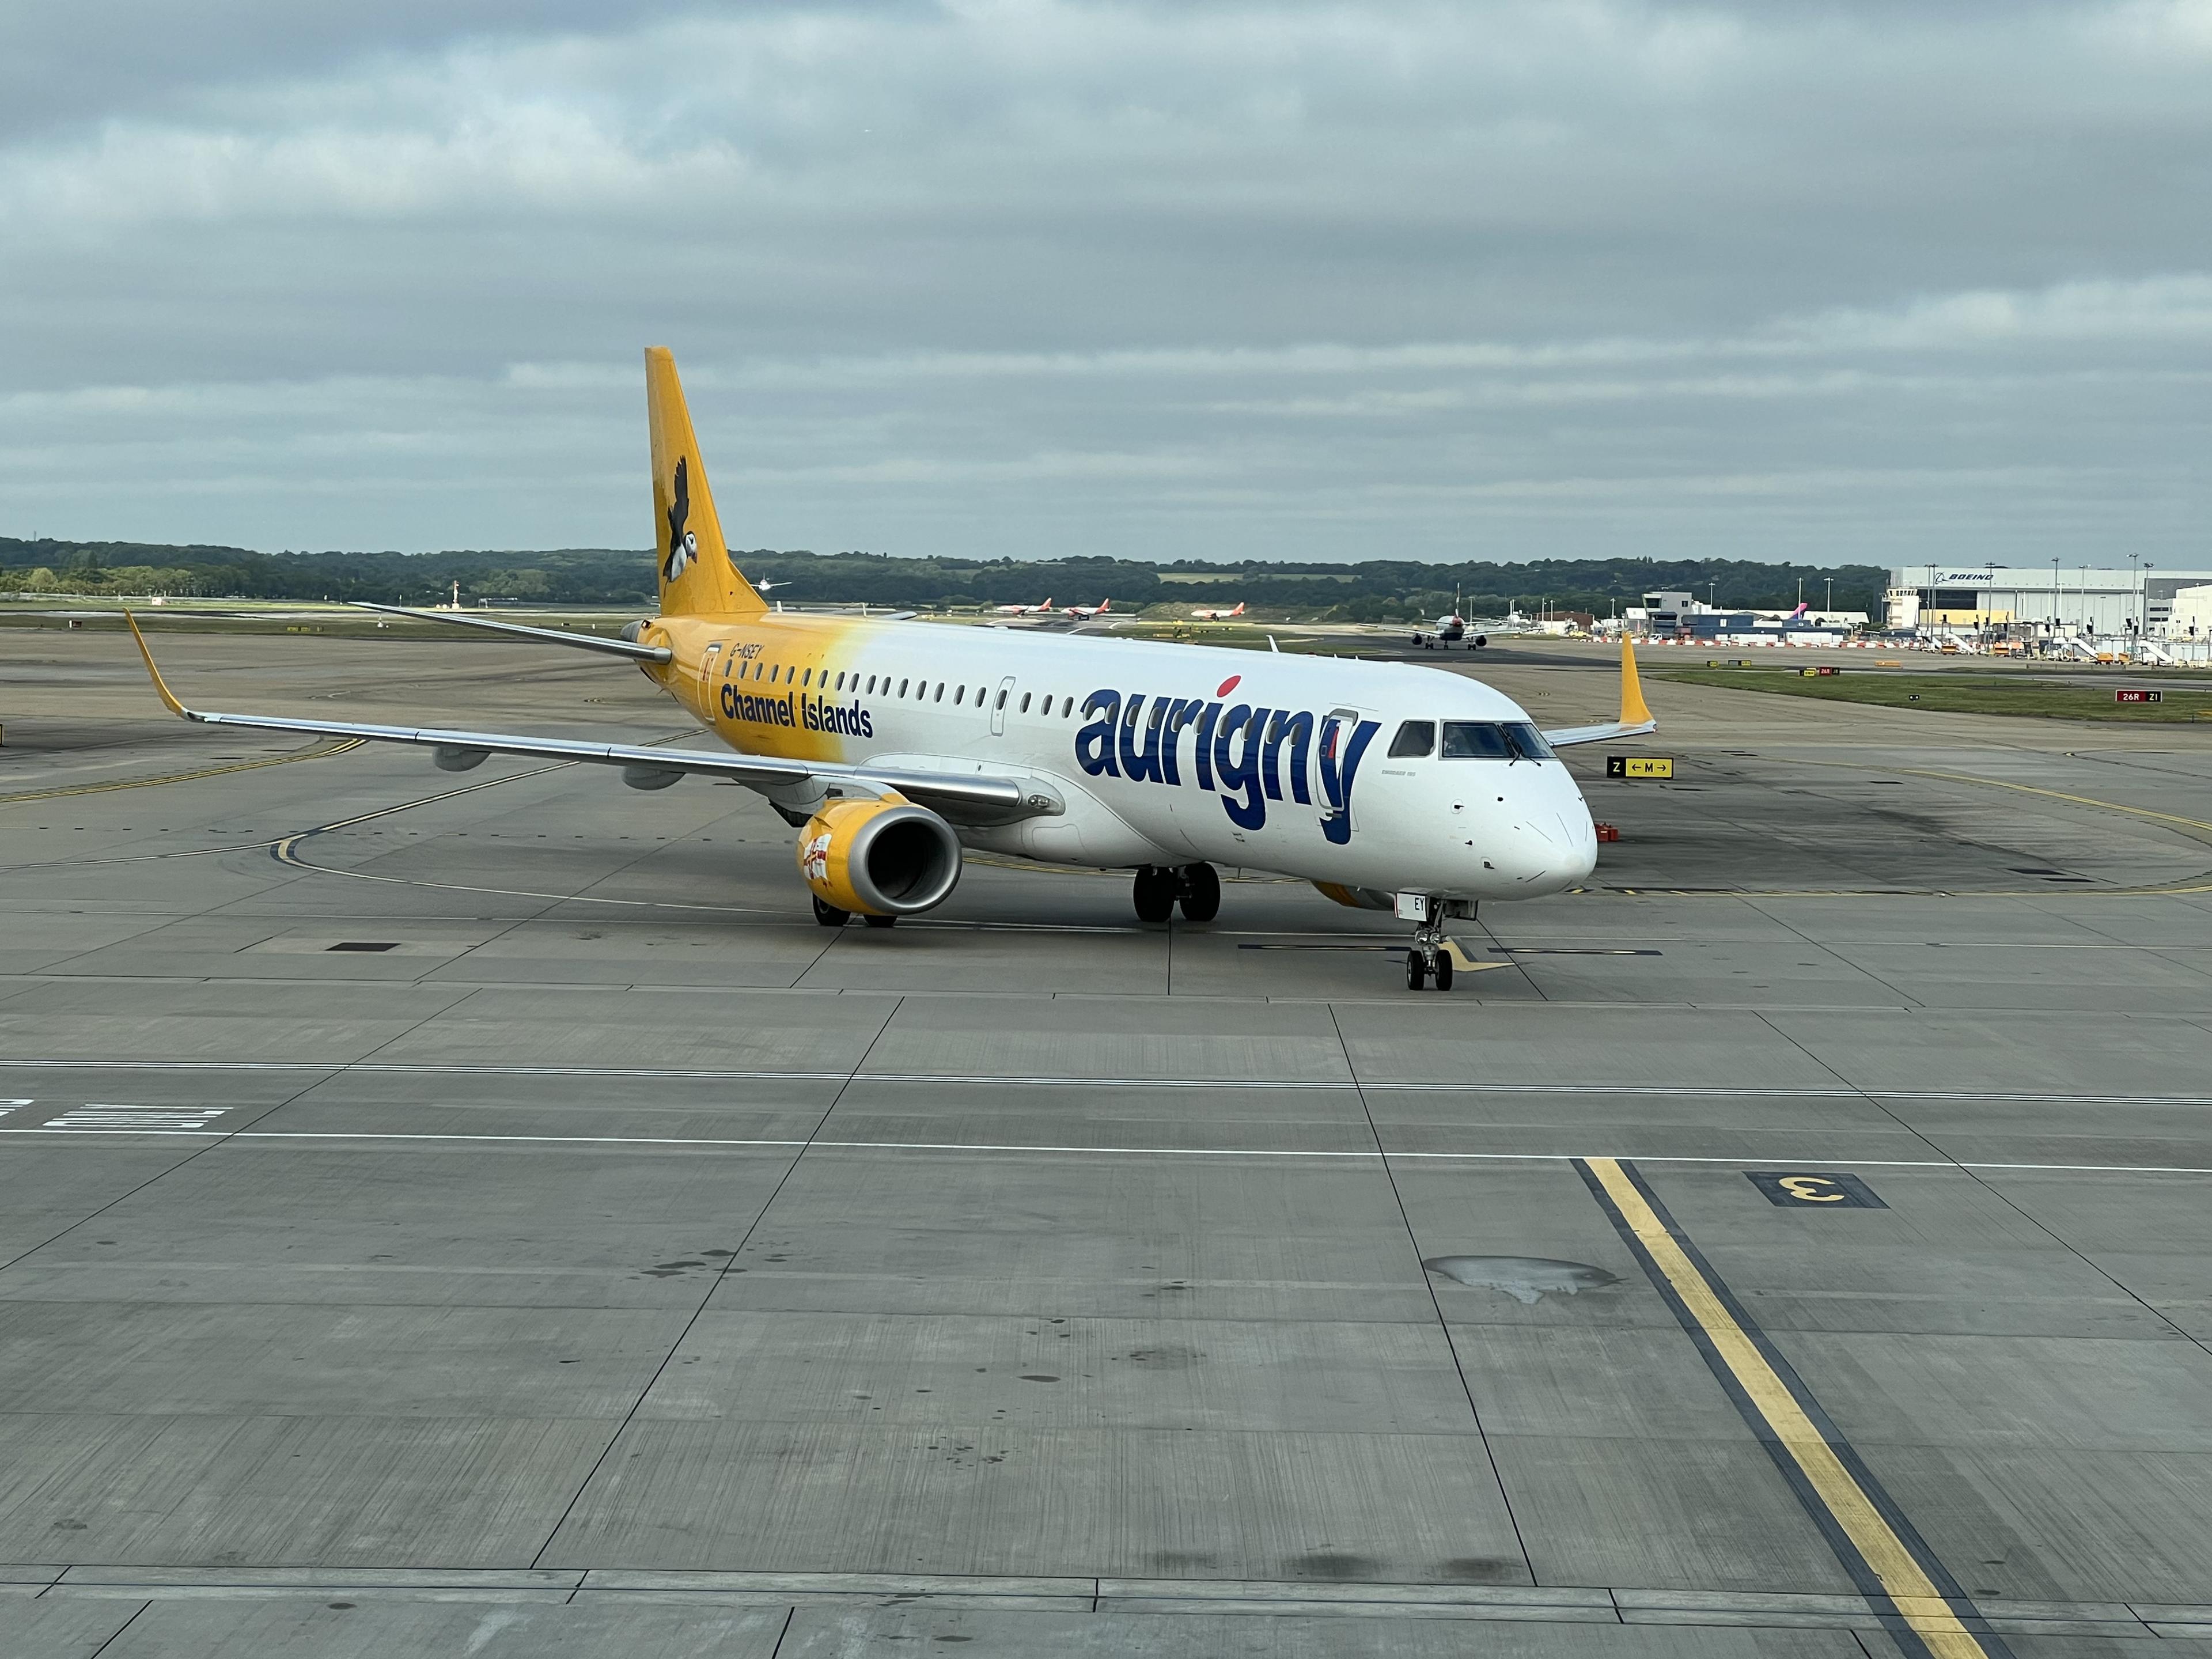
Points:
(1417, 970)
(881, 921)
(829, 915)
(1443, 970)
(1154, 893)
(1201, 892)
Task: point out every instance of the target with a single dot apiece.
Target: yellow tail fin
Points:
(697, 577)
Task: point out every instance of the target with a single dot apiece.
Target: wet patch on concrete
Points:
(1526, 1279)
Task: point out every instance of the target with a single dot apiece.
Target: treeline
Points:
(1379, 589)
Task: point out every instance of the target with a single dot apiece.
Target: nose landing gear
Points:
(1429, 957)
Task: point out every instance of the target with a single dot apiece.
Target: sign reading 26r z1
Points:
(1238, 751)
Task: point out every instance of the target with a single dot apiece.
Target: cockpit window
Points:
(1414, 739)
(1490, 740)
(1475, 741)
(1528, 743)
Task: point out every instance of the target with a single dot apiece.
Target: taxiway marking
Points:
(1924, 1608)
(1632, 1090)
(317, 751)
(311, 1138)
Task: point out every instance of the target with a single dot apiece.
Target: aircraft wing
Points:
(1567, 736)
(545, 635)
(1635, 720)
(963, 797)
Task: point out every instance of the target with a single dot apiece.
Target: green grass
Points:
(2019, 692)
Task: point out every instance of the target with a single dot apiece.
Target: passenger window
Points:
(903, 688)
(1002, 698)
(1414, 739)
(1475, 741)
(940, 692)
(871, 684)
(841, 679)
(1066, 706)
(808, 679)
(1025, 702)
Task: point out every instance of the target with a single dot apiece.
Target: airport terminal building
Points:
(2049, 598)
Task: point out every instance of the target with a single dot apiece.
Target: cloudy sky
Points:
(1886, 281)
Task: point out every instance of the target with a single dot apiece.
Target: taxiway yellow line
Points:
(317, 752)
(2059, 794)
(1904, 1579)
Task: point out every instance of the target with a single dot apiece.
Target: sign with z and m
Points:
(1814, 1190)
(1639, 766)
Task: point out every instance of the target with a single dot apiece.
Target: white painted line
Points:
(1631, 1090)
(314, 1137)
(96, 1115)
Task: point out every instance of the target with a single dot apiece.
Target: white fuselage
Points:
(1151, 746)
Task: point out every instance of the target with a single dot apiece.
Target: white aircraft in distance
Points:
(1450, 630)
(1044, 609)
(1085, 612)
(891, 746)
(1218, 616)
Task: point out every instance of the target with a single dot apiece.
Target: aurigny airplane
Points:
(889, 746)
(1085, 612)
(1044, 609)
(1218, 616)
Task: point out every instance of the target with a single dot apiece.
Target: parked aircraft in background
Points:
(1085, 612)
(1218, 616)
(1044, 609)
(891, 746)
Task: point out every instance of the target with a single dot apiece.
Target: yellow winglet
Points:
(1632, 709)
(160, 688)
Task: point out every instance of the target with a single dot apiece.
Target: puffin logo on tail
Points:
(683, 544)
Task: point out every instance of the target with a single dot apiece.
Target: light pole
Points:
(1828, 606)
(2143, 609)
(2054, 598)
(2133, 560)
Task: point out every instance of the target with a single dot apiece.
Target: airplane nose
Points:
(1582, 844)
(1551, 850)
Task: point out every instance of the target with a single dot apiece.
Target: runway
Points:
(493, 1218)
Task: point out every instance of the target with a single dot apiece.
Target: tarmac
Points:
(486, 1215)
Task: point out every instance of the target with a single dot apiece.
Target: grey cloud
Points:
(1305, 280)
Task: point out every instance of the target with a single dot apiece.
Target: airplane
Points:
(890, 747)
(1218, 616)
(1450, 629)
(1085, 612)
(1044, 609)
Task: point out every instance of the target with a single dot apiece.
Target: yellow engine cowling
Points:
(879, 858)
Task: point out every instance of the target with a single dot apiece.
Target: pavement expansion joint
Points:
(1105, 1594)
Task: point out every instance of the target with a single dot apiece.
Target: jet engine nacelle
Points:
(879, 858)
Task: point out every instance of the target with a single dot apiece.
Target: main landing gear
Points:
(830, 916)
(1160, 889)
